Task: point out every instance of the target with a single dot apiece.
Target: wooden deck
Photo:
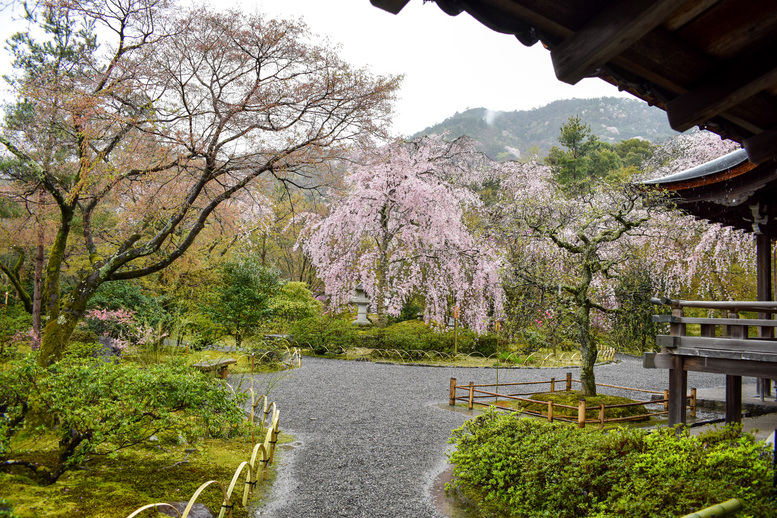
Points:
(728, 345)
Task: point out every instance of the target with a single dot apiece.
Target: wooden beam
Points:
(392, 6)
(738, 346)
(615, 29)
(724, 354)
(665, 319)
(755, 369)
(726, 88)
(762, 147)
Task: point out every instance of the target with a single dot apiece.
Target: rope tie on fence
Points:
(230, 506)
(252, 484)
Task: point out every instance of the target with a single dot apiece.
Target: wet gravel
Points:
(370, 438)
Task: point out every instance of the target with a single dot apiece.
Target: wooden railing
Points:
(475, 394)
(726, 344)
(728, 336)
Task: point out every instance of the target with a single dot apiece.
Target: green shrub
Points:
(411, 335)
(84, 335)
(294, 301)
(521, 467)
(324, 334)
(415, 335)
(101, 407)
(6, 510)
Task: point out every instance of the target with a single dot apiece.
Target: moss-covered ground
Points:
(162, 471)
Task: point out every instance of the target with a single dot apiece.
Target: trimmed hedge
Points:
(521, 467)
(324, 334)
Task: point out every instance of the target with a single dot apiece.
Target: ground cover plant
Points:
(518, 467)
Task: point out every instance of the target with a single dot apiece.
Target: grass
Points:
(163, 471)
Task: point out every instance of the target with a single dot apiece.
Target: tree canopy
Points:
(144, 140)
(401, 229)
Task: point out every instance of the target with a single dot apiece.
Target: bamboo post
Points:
(471, 394)
(666, 400)
(552, 384)
(601, 416)
(253, 406)
(452, 399)
(569, 381)
(581, 414)
(550, 411)
(693, 402)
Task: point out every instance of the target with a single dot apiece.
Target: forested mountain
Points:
(512, 134)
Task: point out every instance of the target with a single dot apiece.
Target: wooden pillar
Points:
(678, 388)
(733, 399)
(763, 252)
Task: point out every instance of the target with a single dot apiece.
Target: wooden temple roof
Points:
(707, 63)
(730, 190)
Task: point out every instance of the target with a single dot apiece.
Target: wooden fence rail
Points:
(474, 393)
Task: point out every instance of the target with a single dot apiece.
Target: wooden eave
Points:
(708, 63)
(727, 195)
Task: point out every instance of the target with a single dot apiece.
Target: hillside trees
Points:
(401, 229)
(586, 159)
(141, 141)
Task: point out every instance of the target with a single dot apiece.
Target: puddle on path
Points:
(284, 484)
(449, 506)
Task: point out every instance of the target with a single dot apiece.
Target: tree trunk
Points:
(588, 350)
(58, 331)
(37, 287)
(61, 324)
(380, 295)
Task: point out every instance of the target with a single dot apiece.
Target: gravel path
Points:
(371, 438)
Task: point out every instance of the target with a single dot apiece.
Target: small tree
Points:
(584, 239)
(100, 407)
(244, 297)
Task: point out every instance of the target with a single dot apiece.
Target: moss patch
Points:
(163, 471)
(572, 399)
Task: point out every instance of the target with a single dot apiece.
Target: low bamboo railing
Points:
(261, 456)
(474, 393)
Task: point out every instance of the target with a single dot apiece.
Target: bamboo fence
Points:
(473, 393)
(511, 360)
(261, 456)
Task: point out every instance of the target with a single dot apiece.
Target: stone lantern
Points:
(362, 302)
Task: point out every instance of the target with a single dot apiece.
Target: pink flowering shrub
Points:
(118, 324)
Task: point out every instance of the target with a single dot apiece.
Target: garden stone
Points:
(110, 350)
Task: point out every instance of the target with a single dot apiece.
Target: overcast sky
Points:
(450, 64)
